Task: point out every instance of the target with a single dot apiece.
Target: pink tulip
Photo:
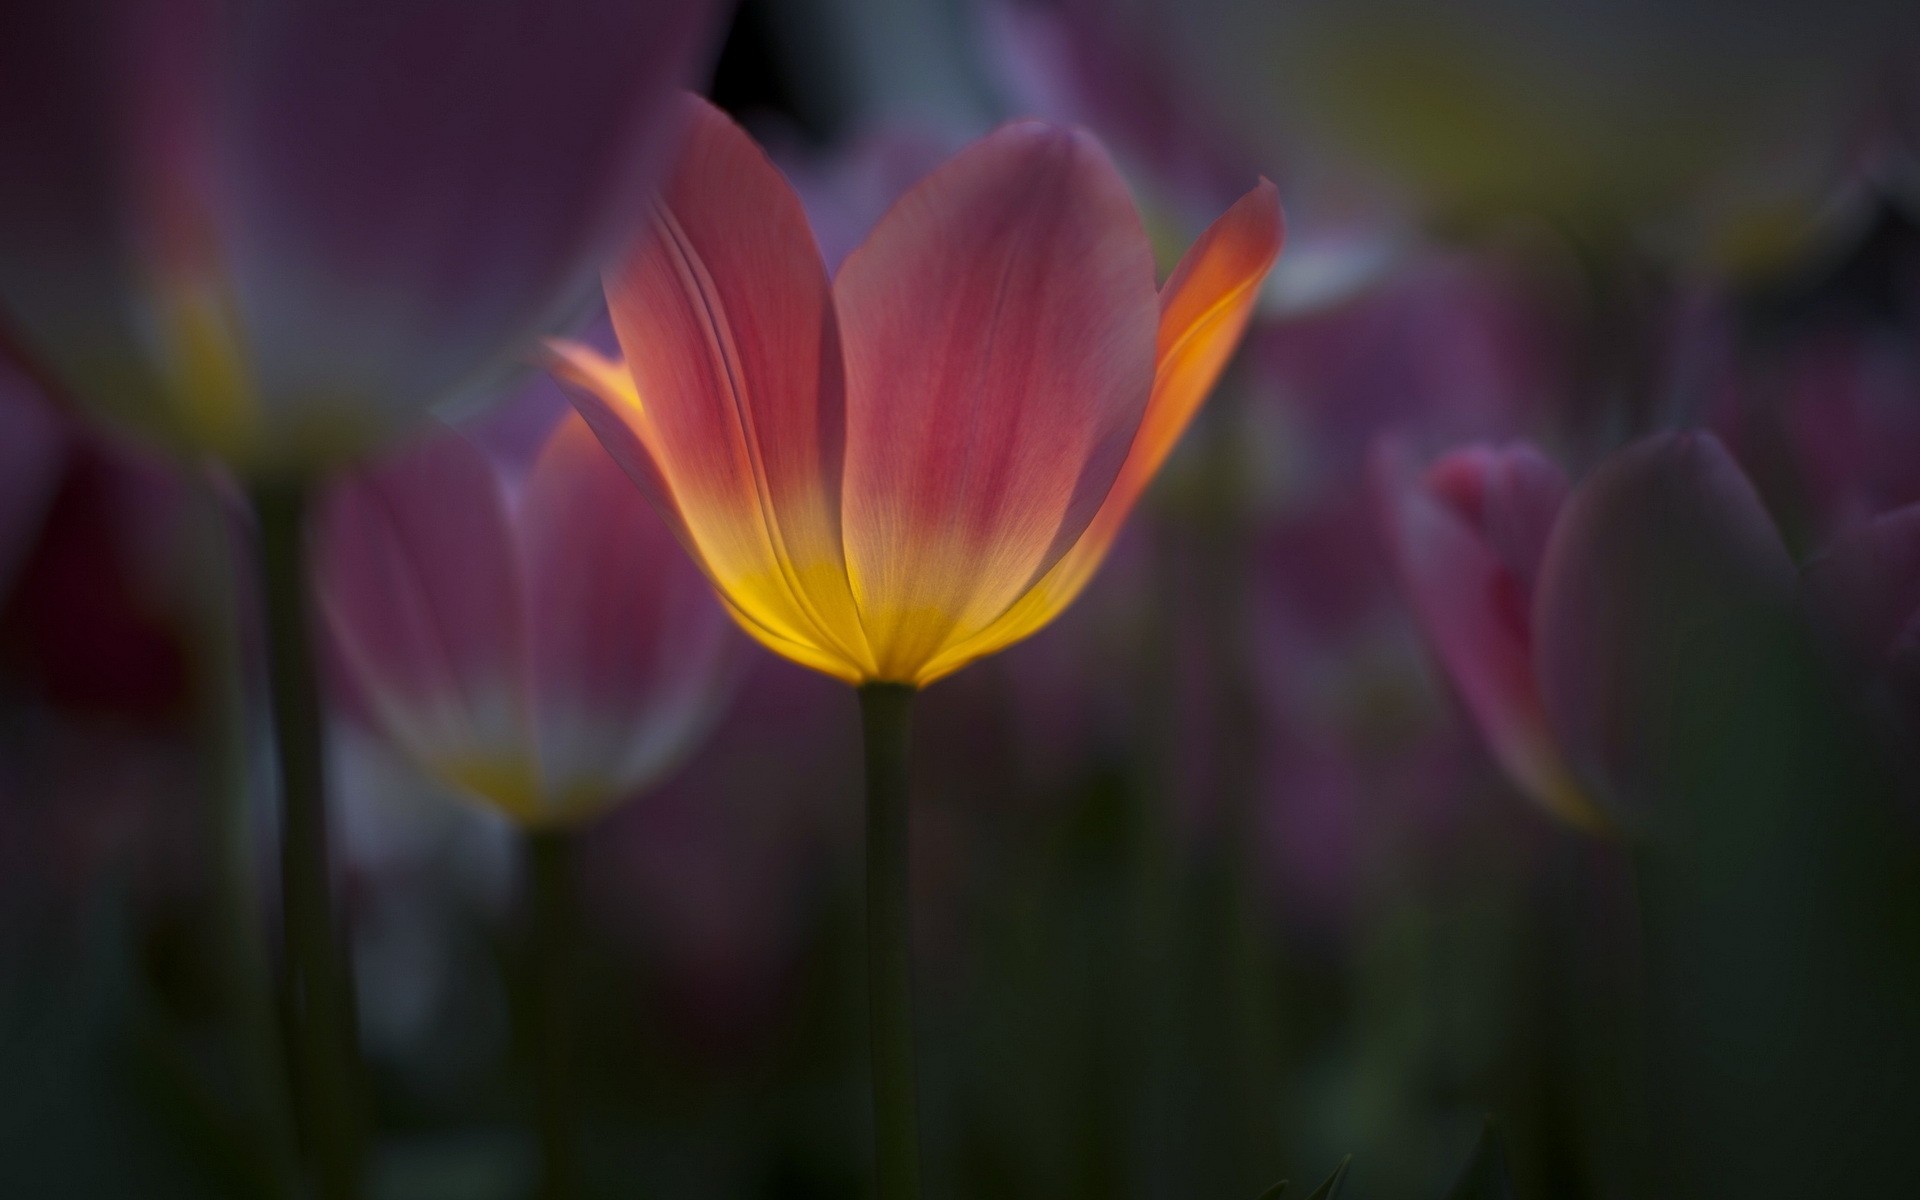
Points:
(1865, 591)
(32, 447)
(278, 233)
(1468, 536)
(543, 647)
(896, 472)
(1559, 616)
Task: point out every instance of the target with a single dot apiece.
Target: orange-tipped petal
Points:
(998, 327)
(1204, 309)
(735, 415)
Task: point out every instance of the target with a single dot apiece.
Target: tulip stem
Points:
(323, 1054)
(550, 988)
(884, 712)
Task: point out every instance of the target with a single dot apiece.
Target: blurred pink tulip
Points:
(1865, 592)
(278, 234)
(1468, 536)
(32, 448)
(1559, 615)
(1662, 576)
(1852, 423)
(545, 648)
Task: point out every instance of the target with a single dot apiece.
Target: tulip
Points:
(538, 644)
(1527, 591)
(892, 473)
(544, 649)
(1468, 536)
(32, 446)
(1864, 590)
(278, 234)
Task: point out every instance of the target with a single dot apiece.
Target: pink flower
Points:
(1865, 592)
(897, 471)
(543, 647)
(32, 446)
(1468, 536)
(1552, 610)
(278, 233)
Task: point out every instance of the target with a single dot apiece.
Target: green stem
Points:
(324, 1059)
(885, 709)
(550, 961)
(223, 729)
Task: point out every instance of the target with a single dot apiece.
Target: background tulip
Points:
(540, 645)
(32, 443)
(277, 237)
(1469, 534)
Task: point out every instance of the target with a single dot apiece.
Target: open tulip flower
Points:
(276, 234)
(542, 646)
(892, 473)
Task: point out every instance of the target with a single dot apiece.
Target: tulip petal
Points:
(1511, 495)
(1662, 578)
(734, 421)
(1866, 586)
(1474, 610)
(32, 453)
(624, 635)
(998, 326)
(419, 581)
(1204, 309)
(421, 187)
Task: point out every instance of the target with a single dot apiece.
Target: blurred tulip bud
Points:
(545, 648)
(1540, 602)
(277, 234)
(1865, 593)
(32, 449)
(1663, 566)
(1468, 536)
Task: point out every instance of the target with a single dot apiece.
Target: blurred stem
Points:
(550, 900)
(224, 731)
(319, 987)
(885, 709)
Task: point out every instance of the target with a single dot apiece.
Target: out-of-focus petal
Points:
(426, 187)
(1662, 577)
(420, 582)
(1511, 495)
(1474, 609)
(1204, 309)
(736, 403)
(626, 640)
(280, 233)
(998, 326)
(32, 452)
(1865, 592)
